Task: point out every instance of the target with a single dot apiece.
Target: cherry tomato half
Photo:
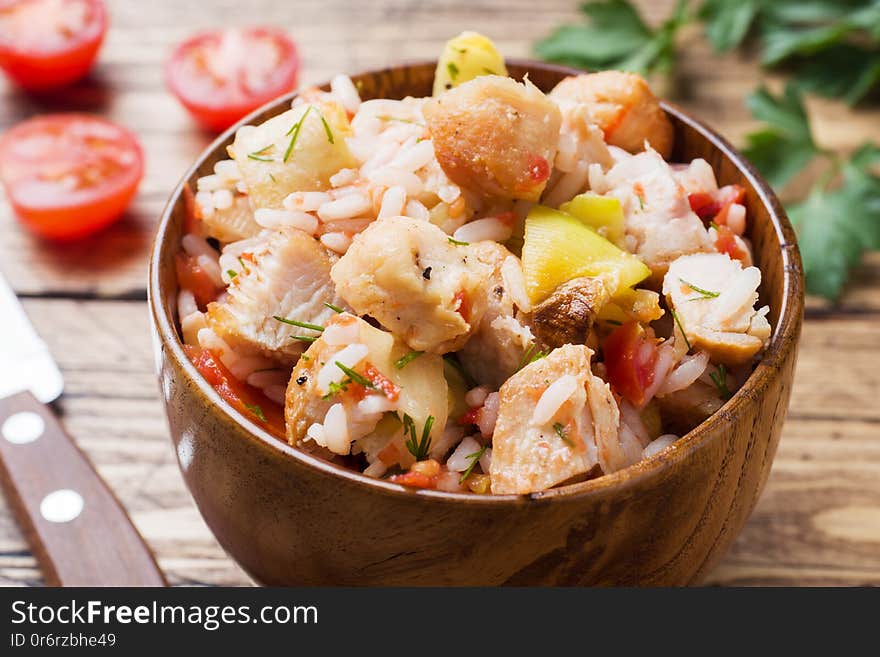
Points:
(68, 175)
(46, 44)
(630, 356)
(222, 76)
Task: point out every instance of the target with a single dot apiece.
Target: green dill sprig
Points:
(458, 243)
(405, 360)
(257, 411)
(244, 267)
(303, 338)
(475, 458)
(335, 309)
(719, 378)
(335, 388)
(231, 273)
(419, 448)
(326, 127)
(560, 431)
(360, 379)
(293, 322)
(681, 328)
(531, 355)
(294, 133)
(260, 154)
(704, 294)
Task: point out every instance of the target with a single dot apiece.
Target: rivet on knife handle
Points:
(78, 531)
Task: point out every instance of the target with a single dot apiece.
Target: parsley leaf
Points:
(785, 145)
(835, 227)
(615, 36)
(727, 23)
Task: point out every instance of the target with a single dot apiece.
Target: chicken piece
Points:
(422, 287)
(330, 406)
(714, 298)
(286, 275)
(556, 421)
(623, 106)
(567, 315)
(495, 136)
(296, 151)
(233, 223)
(497, 348)
(659, 223)
(685, 409)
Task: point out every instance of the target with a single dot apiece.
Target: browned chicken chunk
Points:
(495, 136)
(567, 315)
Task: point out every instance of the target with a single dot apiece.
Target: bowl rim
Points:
(783, 339)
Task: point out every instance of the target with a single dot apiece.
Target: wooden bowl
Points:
(292, 519)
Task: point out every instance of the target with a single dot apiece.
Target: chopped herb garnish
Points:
(532, 354)
(260, 154)
(560, 431)
(256, 410)
(418, 448)
(335, 309)
(714, 225)
(475, 458)
(294, 133)
(457, 243)
(641, 201)
(273, 178)
(231, 273)
(706, 294)
(360, 379)
(243, 266)
(303, 338)
(453, 70)
(681, 328)
(293, 322)
(335, 388)
(326, 127)
(402, 362)
(719, 378)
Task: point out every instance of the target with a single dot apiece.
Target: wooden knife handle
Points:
(77, 529)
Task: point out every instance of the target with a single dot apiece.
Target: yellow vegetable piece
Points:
(643, 305)
(467, 56)
(559, 247)
(602, 213)
(457, 389)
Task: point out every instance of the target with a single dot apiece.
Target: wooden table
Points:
(818, 521)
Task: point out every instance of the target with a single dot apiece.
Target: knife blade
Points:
(78, 531)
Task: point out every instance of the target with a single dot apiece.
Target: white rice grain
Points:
(658, 445)
(205, 202)
(515, 283)
(341, 334)
(568, 185)
(347, 207)
(689, 370)
(448, 193)
(414, 157)
(344, 177)
(486, 460)
(393, 202)
(389, 177)
(227, 171)
(343, 88)
(476, 397)
(306, 201)
(331, 373)
(416, 210)
(375, 404)
(210, 183)
(336, 430)
(489, 415)
(186, 304)
(458, 461)
(198, 246)
(270, 218)
(556, 394)
(316, 433)
(337, 242)
(489, 228)
(736, 218)
(211, 267)
(222, 199)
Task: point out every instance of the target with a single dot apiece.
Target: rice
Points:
(344, 177)
(331, 373)
(476, 397)
(489, 415)
(347, 207)
(568, 185)
(658, 445)
(306, 201)
(393, 201)
(552, 399)
(186, 304)
(390, 177)
(343, 88)
(211, 267)
(336, 430)
(736, 218)
(689, 370)
(458, 461)
(490, 228)
(515, 283)
(417, 210)
(336, 241)
(198, 246)
(413, 158)
(271, 218)
(222, 199)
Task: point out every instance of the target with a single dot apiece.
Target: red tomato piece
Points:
(630, 357)
(244, 398)
(224, 75)
(725, 242)
(704, 205)
(539, 168)
(190, 276)
(385, 385)
(45, 44)
(69, 175)
(415, 480)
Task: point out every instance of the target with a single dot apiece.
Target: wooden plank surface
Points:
(819, 519)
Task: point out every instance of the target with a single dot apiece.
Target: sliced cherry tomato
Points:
(222, 76)
(46, 44)
(191, 276)
(713, 207)
(68, 175)
(630, 358)
(244, 398)
(725, 242)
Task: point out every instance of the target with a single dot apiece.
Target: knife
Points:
(78, 531)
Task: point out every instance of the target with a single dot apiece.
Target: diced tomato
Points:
(713, 207)
(382, 382)
(704, 205)
(630, 357)
(725, 242)
(414, 479)
(69, 175)
(45, 44)
(190, 276)
(223, 75)
(244, 398)
(539, 168)
(192, 215)
(463, 306)
(508, 218)
(471, 417)
(389, 455)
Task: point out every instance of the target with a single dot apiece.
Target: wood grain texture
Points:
(828, 460)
